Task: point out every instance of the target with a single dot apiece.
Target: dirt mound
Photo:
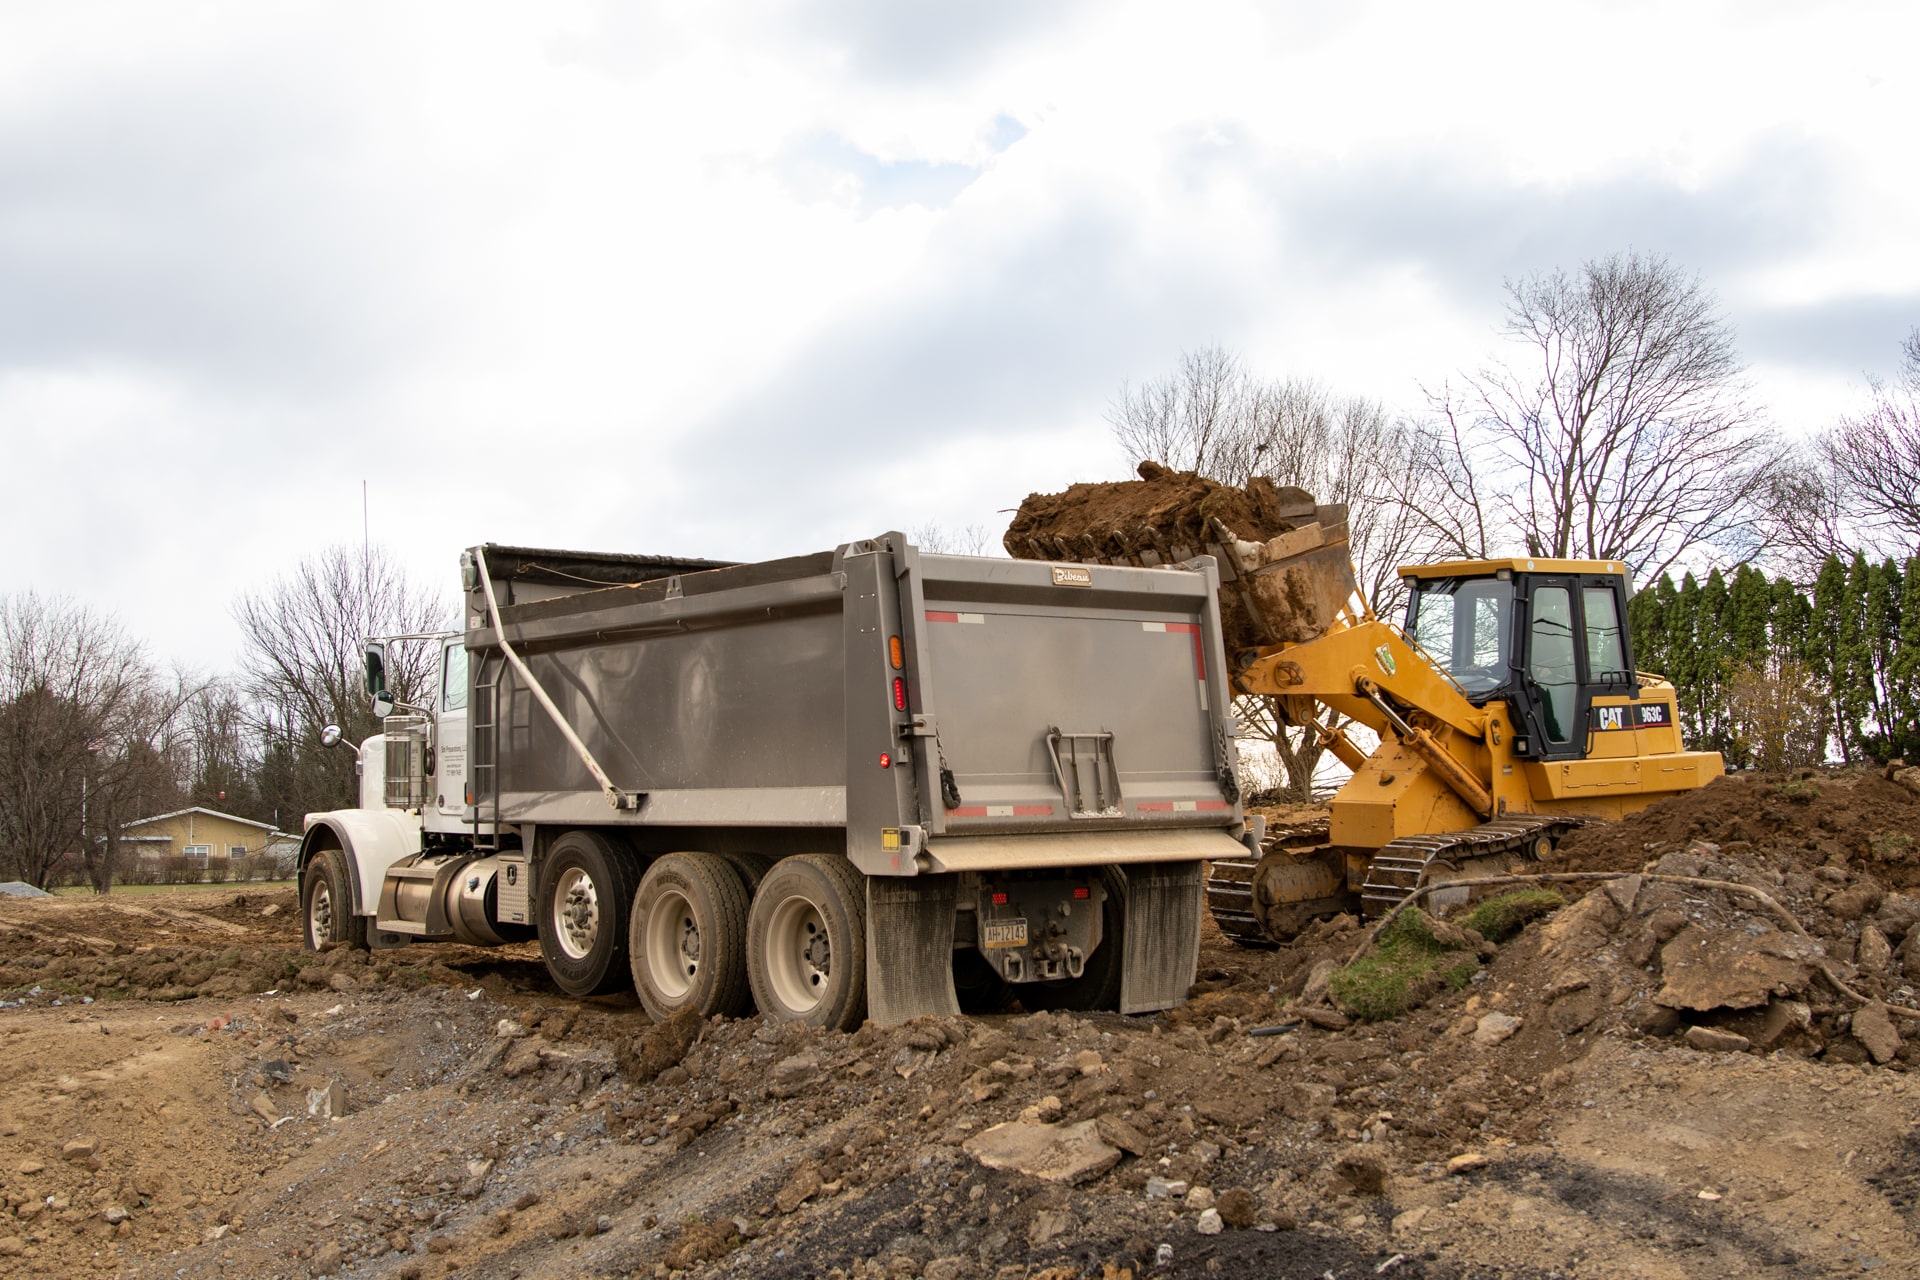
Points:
(1165, 511)
(1850, 819)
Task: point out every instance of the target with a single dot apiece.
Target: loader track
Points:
(1230, 883)
(1405, 864)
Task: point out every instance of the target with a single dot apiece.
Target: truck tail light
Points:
(895, 654)
(1082, 893)
(899, 694)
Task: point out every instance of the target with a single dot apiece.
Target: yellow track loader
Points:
(1507, 705)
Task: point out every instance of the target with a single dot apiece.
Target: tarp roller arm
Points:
(615, 796)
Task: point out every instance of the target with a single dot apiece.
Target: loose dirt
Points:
(190, 1094)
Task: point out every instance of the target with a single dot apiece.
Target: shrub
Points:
(1498, 919)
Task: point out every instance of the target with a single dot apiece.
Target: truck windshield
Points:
(1462, 624)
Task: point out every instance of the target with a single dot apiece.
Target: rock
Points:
(794, 1075)
(113, 1215)
(1874, 953)
(1581, 928)
(526, 1057)
(1494, 1028)
(1874, 1029)
(1159, 1188)
(1045, 1111)
(1897, 915)
(1117, 1132)
(1851, 904)
(1210, 1223)
(1324, 1018)
(1238, 1209)
(659, 1047)
(440, 1244)
(508, 1029)
(1048, 1224)
(12, 1246)
(1467, 1162)
(1728, 969)
(1198, 1199)
(1409, 1222)
(1317, 979)
(1363, 1170)
(1714, 1040)
(341, 982)
(77, 1152)
(30, 1167)
(698, 1242)
(263, 1107)
(802, 1185)
(1655, 1019)
(1572, 1012)
(1067, 1153)
(327, 1259)
(1232, 1111)
(1623, 892)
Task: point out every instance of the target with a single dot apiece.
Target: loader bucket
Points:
(1285, 567)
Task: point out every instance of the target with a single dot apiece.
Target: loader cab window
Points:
(1462, 624)
(1606, 650)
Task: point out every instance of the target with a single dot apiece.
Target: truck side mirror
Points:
(382, 705)
(376, 655)
(330, 736)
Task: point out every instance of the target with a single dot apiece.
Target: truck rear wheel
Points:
(586, 890)
(1098, 986)
(807, 943)
(688, 937)
(326, 903)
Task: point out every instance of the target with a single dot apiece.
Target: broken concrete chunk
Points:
(1066, 1153)
(1317, 980)
(263, 1107)
(1874, 953)
(1623, 892)
(1209, 1223)
(78, 1152)
(1874, 1029)
(1467, 1162)
(1714, 1040)
(1117, 1132)
(802, 1186)
(1733, 970)
(1495, 1027)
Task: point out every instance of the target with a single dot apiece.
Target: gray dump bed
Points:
(1038, 714)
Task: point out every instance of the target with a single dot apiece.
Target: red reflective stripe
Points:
(1213, 804)
(970, 811)
(1032, 810)
(936, 615)
(1155, 806)
(1199, 658)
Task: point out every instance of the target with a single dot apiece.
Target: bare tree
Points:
(968, 540)
(85, 725)
(1210, 415)
(1854, 485)
(1623, 431)
(302, 666)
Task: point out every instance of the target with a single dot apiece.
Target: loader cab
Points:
(1545, 636)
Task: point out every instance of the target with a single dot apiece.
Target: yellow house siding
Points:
(219, 833)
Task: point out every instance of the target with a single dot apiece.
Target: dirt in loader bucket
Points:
(1285, 565)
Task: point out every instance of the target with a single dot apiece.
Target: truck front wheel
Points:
(326, 903)
(807, 943)
(586, 890)
(688, 937)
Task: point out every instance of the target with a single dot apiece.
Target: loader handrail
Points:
(615, 796)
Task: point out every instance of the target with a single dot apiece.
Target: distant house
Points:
(200, 833)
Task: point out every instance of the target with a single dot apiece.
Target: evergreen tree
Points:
(1903, 685)
(1827, 649)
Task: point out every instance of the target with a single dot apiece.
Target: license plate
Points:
(1005, 933)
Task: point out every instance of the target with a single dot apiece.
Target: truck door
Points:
(450, 734)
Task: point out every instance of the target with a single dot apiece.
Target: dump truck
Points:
(1507, 706)
(866, 782)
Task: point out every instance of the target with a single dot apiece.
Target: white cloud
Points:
(751, 280)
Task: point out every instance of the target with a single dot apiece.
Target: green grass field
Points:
(143, 890)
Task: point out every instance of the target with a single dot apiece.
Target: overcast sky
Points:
(744, 280)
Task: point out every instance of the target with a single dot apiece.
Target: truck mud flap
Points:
(910, 948)
(1162, 937)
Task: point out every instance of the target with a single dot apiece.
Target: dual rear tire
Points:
(717, 934)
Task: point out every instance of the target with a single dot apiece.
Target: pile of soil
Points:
(1101, 521)
(441, 1110)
